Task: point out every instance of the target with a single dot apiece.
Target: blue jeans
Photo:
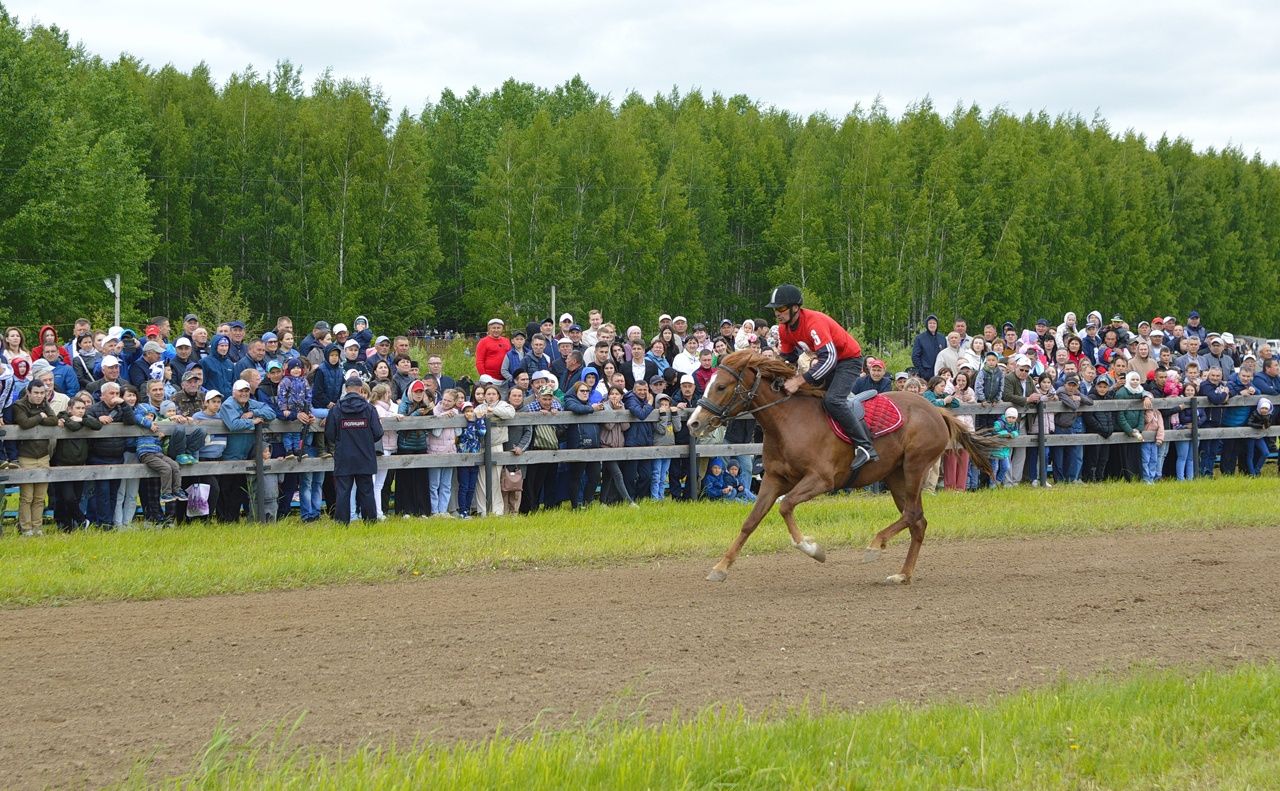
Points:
(102, 504)
(1068, 460)
(1255, 455)
(658, 478)
(1036, 459)
(1000, 472)
(1150, 462)
(1184, 466)
(440, 485)
(466, 488)
(310, 492)
(1209, 450)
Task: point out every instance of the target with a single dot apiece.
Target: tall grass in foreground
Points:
(204, 560)
(1153, 731)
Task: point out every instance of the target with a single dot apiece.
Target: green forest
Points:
(323, 202)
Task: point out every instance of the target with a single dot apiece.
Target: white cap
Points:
(497, 321)
(688, 378)
(543, 374)
(183, 341)
(351, 342)
(565, 339)
(1011, 412)
(486, 379)
(679, 318)
(339, 327)
(1264, 403)
(1228, 338)
(109, 361)
(1250, 356)
(664, 316)
(115, 330)
(212, 394)
(240, 385)
(566, 317)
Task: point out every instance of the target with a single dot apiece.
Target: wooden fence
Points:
(491, 459)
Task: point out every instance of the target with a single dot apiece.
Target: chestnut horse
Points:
(803, 458)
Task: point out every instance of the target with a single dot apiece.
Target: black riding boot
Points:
(863, 451)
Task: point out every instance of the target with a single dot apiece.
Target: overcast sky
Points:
(1209, 72)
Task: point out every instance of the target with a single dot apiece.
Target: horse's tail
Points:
(979, 444)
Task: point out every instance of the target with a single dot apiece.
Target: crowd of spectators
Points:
(204, 384)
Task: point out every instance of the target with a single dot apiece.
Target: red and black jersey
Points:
(818, 333)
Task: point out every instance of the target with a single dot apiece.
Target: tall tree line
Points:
(325, 203)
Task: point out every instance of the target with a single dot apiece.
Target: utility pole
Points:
(113, 285)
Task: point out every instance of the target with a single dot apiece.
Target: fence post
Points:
(1195, 439)
(488, 477)
(691, 480)
(1040, 454)
(259, 473)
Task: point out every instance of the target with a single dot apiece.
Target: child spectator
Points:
(716, 485)
(740, 491)
(442, 441)
(470, 440)
(1006, 427)
(1152, 421)
(664, 436)
(381, 400)
(293, 398)
(69, 452)
(151, 453)
(1255, 450)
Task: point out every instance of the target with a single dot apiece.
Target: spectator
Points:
(241, 413)
(219, 369)
(470, 440)
(150, 451)
(927, 346)
(873, 379)
(1068, 460)
(354, 433)
(1020, 390)
(30, 411)
(1256, 450)
(638, 473)
(545, 437)
(109, 374)
(443, 441)
(664, 432)
(72, 451)
(948, 358)
(518, 441)
(1005, 427)
(107, 451)
(255, 357)
(717, 484)
(584, 476)
(491, 352)
(1153, 422)
(1131, 422)
(512, 360)
(236, 350)
(687, 361)
(64, 376)
(493, 410)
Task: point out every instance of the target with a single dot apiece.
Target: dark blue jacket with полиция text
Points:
(354, 429)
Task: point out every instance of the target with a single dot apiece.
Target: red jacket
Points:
(490, 352)
(818, 333)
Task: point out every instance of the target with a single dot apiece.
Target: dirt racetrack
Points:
(89, 688)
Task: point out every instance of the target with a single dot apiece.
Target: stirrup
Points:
(861, 457)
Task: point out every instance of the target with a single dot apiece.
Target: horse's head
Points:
(732, 390)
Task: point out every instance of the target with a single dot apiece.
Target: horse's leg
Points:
(809, 487)
(913, 515)
(771, 488)
(898, 488)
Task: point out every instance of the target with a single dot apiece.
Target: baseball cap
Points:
(321, 325)
(192, 373)
(1151, 375)
(1042, 321)
(1072, 379)
(339, 327)
(1228, 338)
(109, 361)
(1117, 317)
(1250, 356)
(152, 330)
(688, 378)
(518, 334)
(1195, 314)
(239, 385)
(543, 374)
(666, 316)
(274, 365)
(566, 317)
(351, 342)
(679, 318)
(152, 346)
(1144, 322)
(190, 317)
(564, 339)
(875, 361)
(656, 380)
(1170, 320)
(1008, 325)
(212, 394)
(900, 375)
(1213, 336)
(268, 337)
(497, 321)
(1104, 379)
(236, 325)
(725, 321)
(575, 328)
(381, 339)
(1158, 319)
(417, 387)
(182, 342)
(1157, 333)
(990, 354)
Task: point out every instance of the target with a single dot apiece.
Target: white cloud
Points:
(1204, 71)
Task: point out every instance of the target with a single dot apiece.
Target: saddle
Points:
(880, 415)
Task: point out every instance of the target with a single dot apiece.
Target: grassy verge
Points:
(205, 560)
(1153, 731)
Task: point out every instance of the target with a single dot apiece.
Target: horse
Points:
(803, 457)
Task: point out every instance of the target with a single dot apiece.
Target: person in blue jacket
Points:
(924, 352)
(638, 473)
(219, 370)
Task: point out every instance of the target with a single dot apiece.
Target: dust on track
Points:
(87, 689)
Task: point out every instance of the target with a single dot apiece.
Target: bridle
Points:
(741, 395)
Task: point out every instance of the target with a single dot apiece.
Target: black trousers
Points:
(411, 488)
(535, 485)
(1096, 458)
(839, 383)
(1131, 459)
(232, 497)
(584, 492)
(364, 497)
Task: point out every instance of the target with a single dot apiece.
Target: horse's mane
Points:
(769, 368)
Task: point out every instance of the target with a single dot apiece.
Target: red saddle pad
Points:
(883, 417)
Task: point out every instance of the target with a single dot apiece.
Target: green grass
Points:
(1156, 730)
(217, 559)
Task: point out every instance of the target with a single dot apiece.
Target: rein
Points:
(741, 395)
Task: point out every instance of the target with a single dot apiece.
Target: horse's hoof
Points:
(717, 575)
(871, 555)
(811, 549)
(897, 579)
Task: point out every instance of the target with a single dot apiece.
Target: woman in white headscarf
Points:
(1130, 422)
(748, 328)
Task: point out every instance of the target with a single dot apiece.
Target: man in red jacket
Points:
(836, 366)
(492, 350)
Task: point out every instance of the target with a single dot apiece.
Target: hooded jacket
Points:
(924, 352)
(326, 381)
(354, 429)
(29, 415)
(219, 370)
(63, 354)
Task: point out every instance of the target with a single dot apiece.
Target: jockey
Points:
(837, 363)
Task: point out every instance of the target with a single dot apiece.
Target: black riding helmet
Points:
(784, 295)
